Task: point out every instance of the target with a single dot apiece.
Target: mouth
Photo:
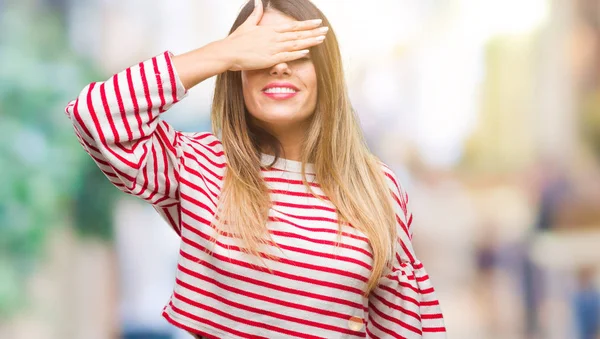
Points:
(280, 93)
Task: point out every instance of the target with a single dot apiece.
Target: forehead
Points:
(272, 17)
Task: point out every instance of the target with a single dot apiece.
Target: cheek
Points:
(309, 78)
(312, 85)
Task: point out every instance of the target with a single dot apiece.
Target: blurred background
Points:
(488, 111)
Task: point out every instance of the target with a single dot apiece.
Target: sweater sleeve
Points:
(404, 304)
(117, 123)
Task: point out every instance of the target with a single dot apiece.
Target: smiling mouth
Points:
(280, 90)
(280, 93)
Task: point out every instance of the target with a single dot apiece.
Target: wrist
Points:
(195, 66)
(226, 58)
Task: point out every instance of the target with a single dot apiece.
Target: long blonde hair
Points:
(350, 176)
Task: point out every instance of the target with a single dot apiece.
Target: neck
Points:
(291, 144)
(291, 140)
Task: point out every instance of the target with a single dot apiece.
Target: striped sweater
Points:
(314, 289)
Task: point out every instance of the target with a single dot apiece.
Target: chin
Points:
(281, 118)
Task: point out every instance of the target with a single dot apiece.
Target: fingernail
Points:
(320, 38)
(323, 29)
(316, 21)
(304, 51)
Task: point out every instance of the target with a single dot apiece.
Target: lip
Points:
(280, 96)
(281, 84)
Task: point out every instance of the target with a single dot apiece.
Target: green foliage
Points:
(40, 158)
(93, 203)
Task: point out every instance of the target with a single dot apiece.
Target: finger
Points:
(295, 45)
(298, 25)
(256, 14)
(299, 35)
(289, 56)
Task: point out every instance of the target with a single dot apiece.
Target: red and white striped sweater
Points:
(314, 290)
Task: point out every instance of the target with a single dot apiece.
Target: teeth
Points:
(280, 90)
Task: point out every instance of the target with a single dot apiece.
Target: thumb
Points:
(256, 15)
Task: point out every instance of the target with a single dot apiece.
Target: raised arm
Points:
(117, 122)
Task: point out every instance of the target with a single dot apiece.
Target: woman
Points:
(289, 226)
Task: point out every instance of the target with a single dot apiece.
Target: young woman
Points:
(289, 226)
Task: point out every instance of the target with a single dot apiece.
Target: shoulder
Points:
(399, 194)
(391, 178)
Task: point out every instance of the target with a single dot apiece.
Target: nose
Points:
(281, 68)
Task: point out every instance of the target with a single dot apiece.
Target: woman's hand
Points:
(249, 47)
(256, 47)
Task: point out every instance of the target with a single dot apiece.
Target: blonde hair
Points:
(350, 176)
